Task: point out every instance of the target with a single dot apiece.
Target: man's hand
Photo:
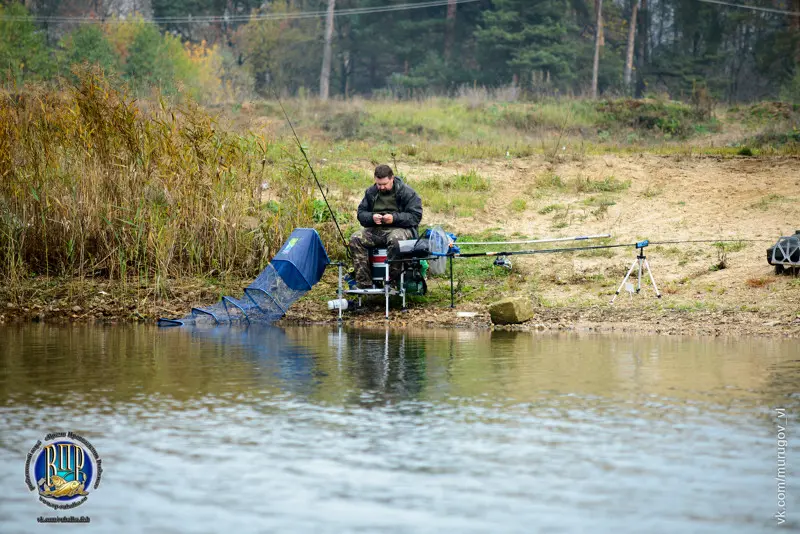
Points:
(388, 219)
(377, 218)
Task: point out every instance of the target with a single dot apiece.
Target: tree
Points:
(630, 48)
(450, 28)
(88, 44)
(281, 54)
(598, 41)
(221, 30)
(23, 48)
(521, 37)
(155, 60)
(325, 74)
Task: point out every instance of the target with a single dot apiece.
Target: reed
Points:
(94, 183)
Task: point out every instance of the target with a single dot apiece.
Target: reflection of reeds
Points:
(91, 183)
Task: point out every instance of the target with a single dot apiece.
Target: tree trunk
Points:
(598, 39)
(325, 75)
(796, 18)
(629, 52)
(644, 14)
(641, 58)
(343, 37)
(346, 73)
(795, 25)
(450, 28)
(226, 25)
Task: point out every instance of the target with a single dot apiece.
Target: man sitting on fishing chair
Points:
(389, 212)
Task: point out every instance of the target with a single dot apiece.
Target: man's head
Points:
(384, 178)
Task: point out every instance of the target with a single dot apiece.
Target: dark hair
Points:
(383, 171)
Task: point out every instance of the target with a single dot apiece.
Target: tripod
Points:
(640, 260)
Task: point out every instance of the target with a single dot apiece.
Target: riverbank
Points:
(723, 288)
(185, 225)
(757, 314)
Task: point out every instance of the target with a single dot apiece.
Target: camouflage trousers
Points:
(367, 238)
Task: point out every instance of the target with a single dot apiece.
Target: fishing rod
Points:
(638, 245)
(314, 174)
(709, 241)
(537, 251)
(546, 240)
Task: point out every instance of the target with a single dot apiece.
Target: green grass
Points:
(549, 180)
(597, 253)
(691, 307)
(655, 117)
(476, 280)
(555, 183)
(652, 192)
(461, 195)
(550, 208)
(734, 246)
(344, 178)
(441, 130)
(470, 182)
(770, 201)
(609, 184)
(518, 205)
(490, 234)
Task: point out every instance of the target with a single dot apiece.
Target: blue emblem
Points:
(63, 469)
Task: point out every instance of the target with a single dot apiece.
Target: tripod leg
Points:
(624, 280)
(653, 280)
(639, 283)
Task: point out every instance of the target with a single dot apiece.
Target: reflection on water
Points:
(320, 430)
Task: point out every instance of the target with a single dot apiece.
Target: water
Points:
(321, 430)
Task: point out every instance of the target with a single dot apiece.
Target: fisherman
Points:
(389, 212)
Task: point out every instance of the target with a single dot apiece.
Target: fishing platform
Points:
(416, 257)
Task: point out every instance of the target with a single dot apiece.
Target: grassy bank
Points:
(439, 130)
(105, 197)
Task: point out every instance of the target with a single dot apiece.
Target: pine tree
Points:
(523, 40)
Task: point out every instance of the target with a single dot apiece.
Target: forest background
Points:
(223, 51)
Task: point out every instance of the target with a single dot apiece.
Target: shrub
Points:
(669, 118)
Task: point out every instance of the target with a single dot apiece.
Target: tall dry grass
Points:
(92, 183)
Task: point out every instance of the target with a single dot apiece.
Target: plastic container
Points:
(378, 259)
(336, 304)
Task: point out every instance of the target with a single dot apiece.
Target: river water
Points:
(328, 430)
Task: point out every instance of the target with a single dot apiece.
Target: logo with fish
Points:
(63, 468)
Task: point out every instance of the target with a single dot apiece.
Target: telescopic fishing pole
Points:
(314, 174)
(531, 241)
(638, 245)
(536, 251)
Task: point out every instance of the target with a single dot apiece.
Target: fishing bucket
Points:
(378, 260)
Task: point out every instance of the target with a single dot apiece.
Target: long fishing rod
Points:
(314, 174)
(709, 241)
(546, 240)
(638, 245)
(537, 251)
